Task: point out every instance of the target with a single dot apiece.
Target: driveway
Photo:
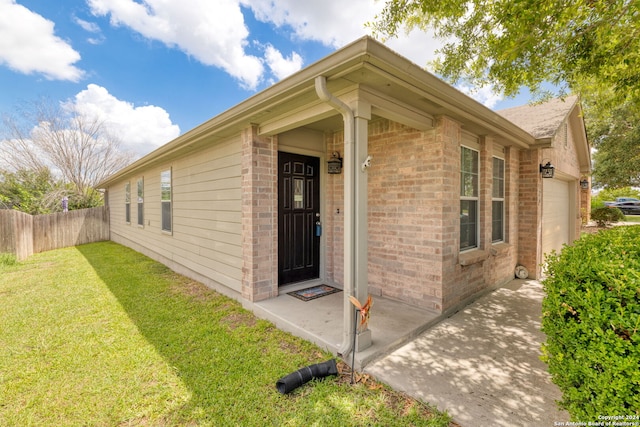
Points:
(481, 364)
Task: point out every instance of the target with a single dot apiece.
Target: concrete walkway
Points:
(481, 364)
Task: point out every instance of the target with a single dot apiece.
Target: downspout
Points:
(349, 209)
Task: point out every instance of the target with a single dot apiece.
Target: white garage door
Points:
(556, 214)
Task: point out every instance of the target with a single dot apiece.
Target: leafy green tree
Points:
(616, 137)
(587, 47)
(32, 192)
(509, 44)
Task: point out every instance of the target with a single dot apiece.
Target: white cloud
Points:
(280, 66)
(141, 129)
(418, 46)
(29, 45)
(331, 22)
(212, 32)
(216, 34)
(483, 95)
(336, 23)
(91, 27)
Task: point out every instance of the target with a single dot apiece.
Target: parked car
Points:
(627, 208)
(622, 200)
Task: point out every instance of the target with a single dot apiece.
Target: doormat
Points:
(314, 292)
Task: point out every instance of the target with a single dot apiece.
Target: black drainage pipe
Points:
(306, 374)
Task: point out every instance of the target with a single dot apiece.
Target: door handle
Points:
(318, 226)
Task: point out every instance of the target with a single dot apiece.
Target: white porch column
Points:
(356, 117)
(359, 200)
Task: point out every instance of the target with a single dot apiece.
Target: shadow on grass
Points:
(227, 358)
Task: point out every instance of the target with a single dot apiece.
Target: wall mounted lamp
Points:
(334, 164)
(547, 170)
(584, 184)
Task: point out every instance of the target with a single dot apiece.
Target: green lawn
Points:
(632, 218)
(100, 335)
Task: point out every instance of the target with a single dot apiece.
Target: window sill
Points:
(500, 248)
(476, 256)
(472, 257)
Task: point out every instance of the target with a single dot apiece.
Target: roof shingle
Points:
(541, 120)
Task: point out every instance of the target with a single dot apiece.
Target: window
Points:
(127, 202)
(165, 192)
(497, 201)
(469, 179)
(140, 201)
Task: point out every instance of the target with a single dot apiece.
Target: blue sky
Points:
(156, 68)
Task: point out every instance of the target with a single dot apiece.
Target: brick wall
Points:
(414, 216)
(259, 216)
(405, 214)
(334, 218)
(530, 210)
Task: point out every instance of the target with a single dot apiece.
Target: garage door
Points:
(556, 214)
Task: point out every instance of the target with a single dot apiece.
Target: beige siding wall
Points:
(206, 210)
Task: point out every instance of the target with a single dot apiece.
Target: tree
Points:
(74, 146)
(32, 192)
(588, 47)
(616, 138)
(509, 44)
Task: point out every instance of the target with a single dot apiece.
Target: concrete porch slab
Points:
(392, 323)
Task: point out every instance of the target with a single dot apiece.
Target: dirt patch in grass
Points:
(236, 320)
(190, 288)
(399, 402)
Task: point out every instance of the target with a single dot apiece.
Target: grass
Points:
(7, 259)
(632, 218)
(101, 335)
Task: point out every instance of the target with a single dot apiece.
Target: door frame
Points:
(323, 214)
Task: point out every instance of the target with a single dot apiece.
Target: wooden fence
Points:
(24, 235)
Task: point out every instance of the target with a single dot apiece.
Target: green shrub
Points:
(605, 215)
(591, 316)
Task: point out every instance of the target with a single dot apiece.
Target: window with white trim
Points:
(497, 201)
(140, 201)
(127, 203)
(469, 201)
(165, 196)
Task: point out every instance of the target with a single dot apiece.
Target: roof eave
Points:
(357, 54)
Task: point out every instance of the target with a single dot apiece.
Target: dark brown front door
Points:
(298, 211)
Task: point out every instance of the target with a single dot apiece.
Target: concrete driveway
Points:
(481, 364)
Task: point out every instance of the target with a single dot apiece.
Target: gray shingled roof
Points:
(541, 120)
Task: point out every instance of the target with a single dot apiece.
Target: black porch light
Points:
(547, 170)
(584, 184)
(334, 164)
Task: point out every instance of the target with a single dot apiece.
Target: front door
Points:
(298, 211)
